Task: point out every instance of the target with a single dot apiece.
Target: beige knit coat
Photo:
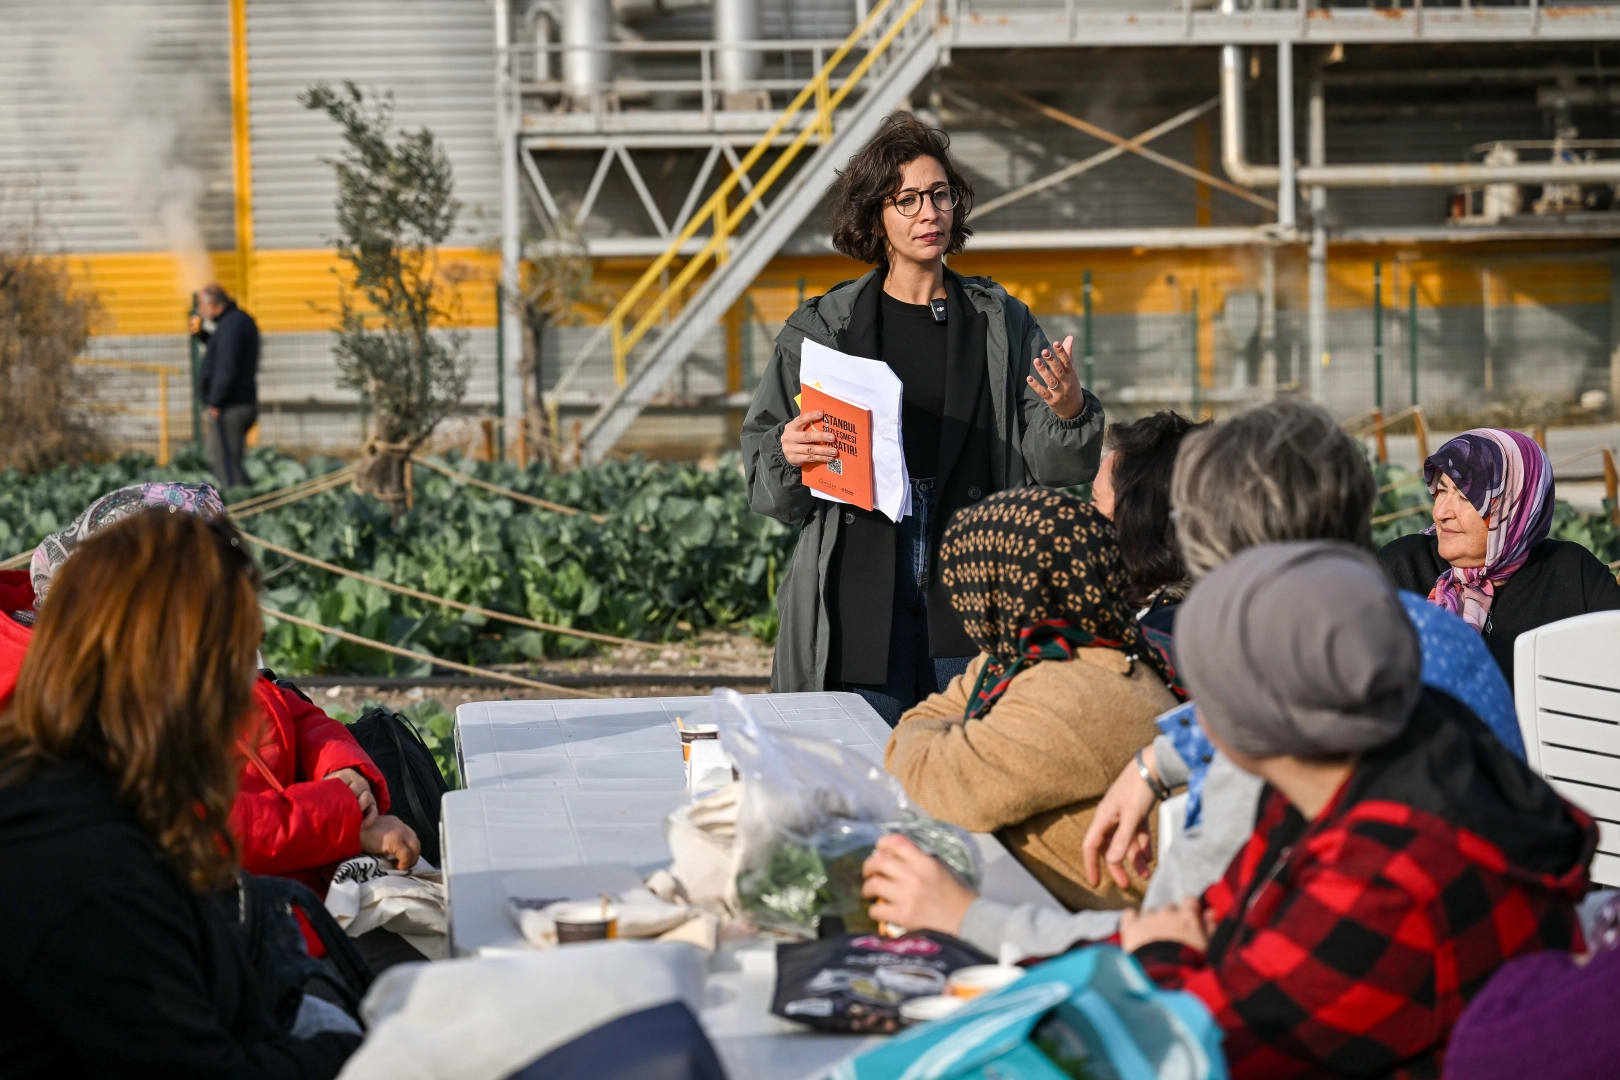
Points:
(1033, 768)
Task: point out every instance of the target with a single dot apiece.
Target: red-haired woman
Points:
(118, 769)
(860, 609)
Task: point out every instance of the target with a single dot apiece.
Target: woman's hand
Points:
(913, 889)
(391, 838)
(1120, 825)
(1057, 382)
(803, 445)
(361, 788)
(1183, 923)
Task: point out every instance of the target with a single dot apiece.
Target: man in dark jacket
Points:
(228, 383)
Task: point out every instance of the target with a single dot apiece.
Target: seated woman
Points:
(118, 765)
(1401, 853)
(309, 797)
(1132, 490)
(1063, 693)
(1282, 471)
(1488, 557)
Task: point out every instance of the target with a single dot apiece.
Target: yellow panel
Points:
(293, 291)
(141, 292)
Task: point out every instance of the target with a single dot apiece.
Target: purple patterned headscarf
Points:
(1508, 479)
(114, 506)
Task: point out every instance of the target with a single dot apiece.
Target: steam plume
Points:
(144, 118)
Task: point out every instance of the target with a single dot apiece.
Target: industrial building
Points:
(1359, 203)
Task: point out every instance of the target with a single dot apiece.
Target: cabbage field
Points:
(677, 553)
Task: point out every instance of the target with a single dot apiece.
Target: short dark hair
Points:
(873, 175)
(1144, 457)
(1280, 471)
(216, 292)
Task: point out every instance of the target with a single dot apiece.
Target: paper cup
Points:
(970, 982)
(923, 1009)
(691, 733)
(587, 920)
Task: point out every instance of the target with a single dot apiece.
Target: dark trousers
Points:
(227, 435)
(913, 674)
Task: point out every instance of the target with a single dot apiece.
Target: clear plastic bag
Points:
(811, 812)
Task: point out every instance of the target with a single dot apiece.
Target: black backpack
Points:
(260, 913)
(415, 784)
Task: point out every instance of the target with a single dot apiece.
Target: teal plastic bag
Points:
(1091, 1014)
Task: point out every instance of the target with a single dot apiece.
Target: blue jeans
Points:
(912, 673)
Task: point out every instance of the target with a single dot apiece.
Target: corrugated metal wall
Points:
(117, 116)
(436, 56)
(437, 59)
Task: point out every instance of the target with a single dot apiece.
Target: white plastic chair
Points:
(1566, 678)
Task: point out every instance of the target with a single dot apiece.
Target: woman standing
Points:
(860, 609)
(1488, 557)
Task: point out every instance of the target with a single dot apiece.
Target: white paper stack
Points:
(870, 384)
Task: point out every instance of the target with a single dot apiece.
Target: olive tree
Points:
(558, 279)
(395, 205)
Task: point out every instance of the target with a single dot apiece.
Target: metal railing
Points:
(682, 74)
(724, 219)
(163, 372)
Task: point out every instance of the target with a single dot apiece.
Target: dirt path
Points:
(747, 670)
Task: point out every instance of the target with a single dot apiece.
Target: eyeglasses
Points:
(909, 202)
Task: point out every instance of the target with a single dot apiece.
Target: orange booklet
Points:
(849, 478)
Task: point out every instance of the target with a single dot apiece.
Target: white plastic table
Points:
(559, 791)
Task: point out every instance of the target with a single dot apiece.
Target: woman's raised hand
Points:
(1056, 381)
(803, 445)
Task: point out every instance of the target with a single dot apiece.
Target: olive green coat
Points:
(1032, 446)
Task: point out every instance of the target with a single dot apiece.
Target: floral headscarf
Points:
(112, 507)
(1508, 479)
(1035, 574)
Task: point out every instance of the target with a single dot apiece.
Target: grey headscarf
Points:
(1299, 648)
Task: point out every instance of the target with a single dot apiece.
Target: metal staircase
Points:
(901, 47)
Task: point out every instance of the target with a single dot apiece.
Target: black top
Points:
(111, 966)
(861, 571)
(230, 365)
(913, 345)
(1559, 580)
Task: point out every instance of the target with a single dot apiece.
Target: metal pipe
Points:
(1268, 321)
(735, 22)
(1285, 136)
(508, 328)
(1412, 339)
(1234, 156)
(1378, 334)
(587, 67)
(1090, 363)
(1316, 328)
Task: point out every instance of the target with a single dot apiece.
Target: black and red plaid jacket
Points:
(1349, 945)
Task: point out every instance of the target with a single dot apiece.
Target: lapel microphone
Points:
(938, 308)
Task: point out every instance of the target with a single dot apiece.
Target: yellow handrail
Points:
(162, 371)
(725, 218)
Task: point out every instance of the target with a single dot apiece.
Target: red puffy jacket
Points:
(288, 821)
